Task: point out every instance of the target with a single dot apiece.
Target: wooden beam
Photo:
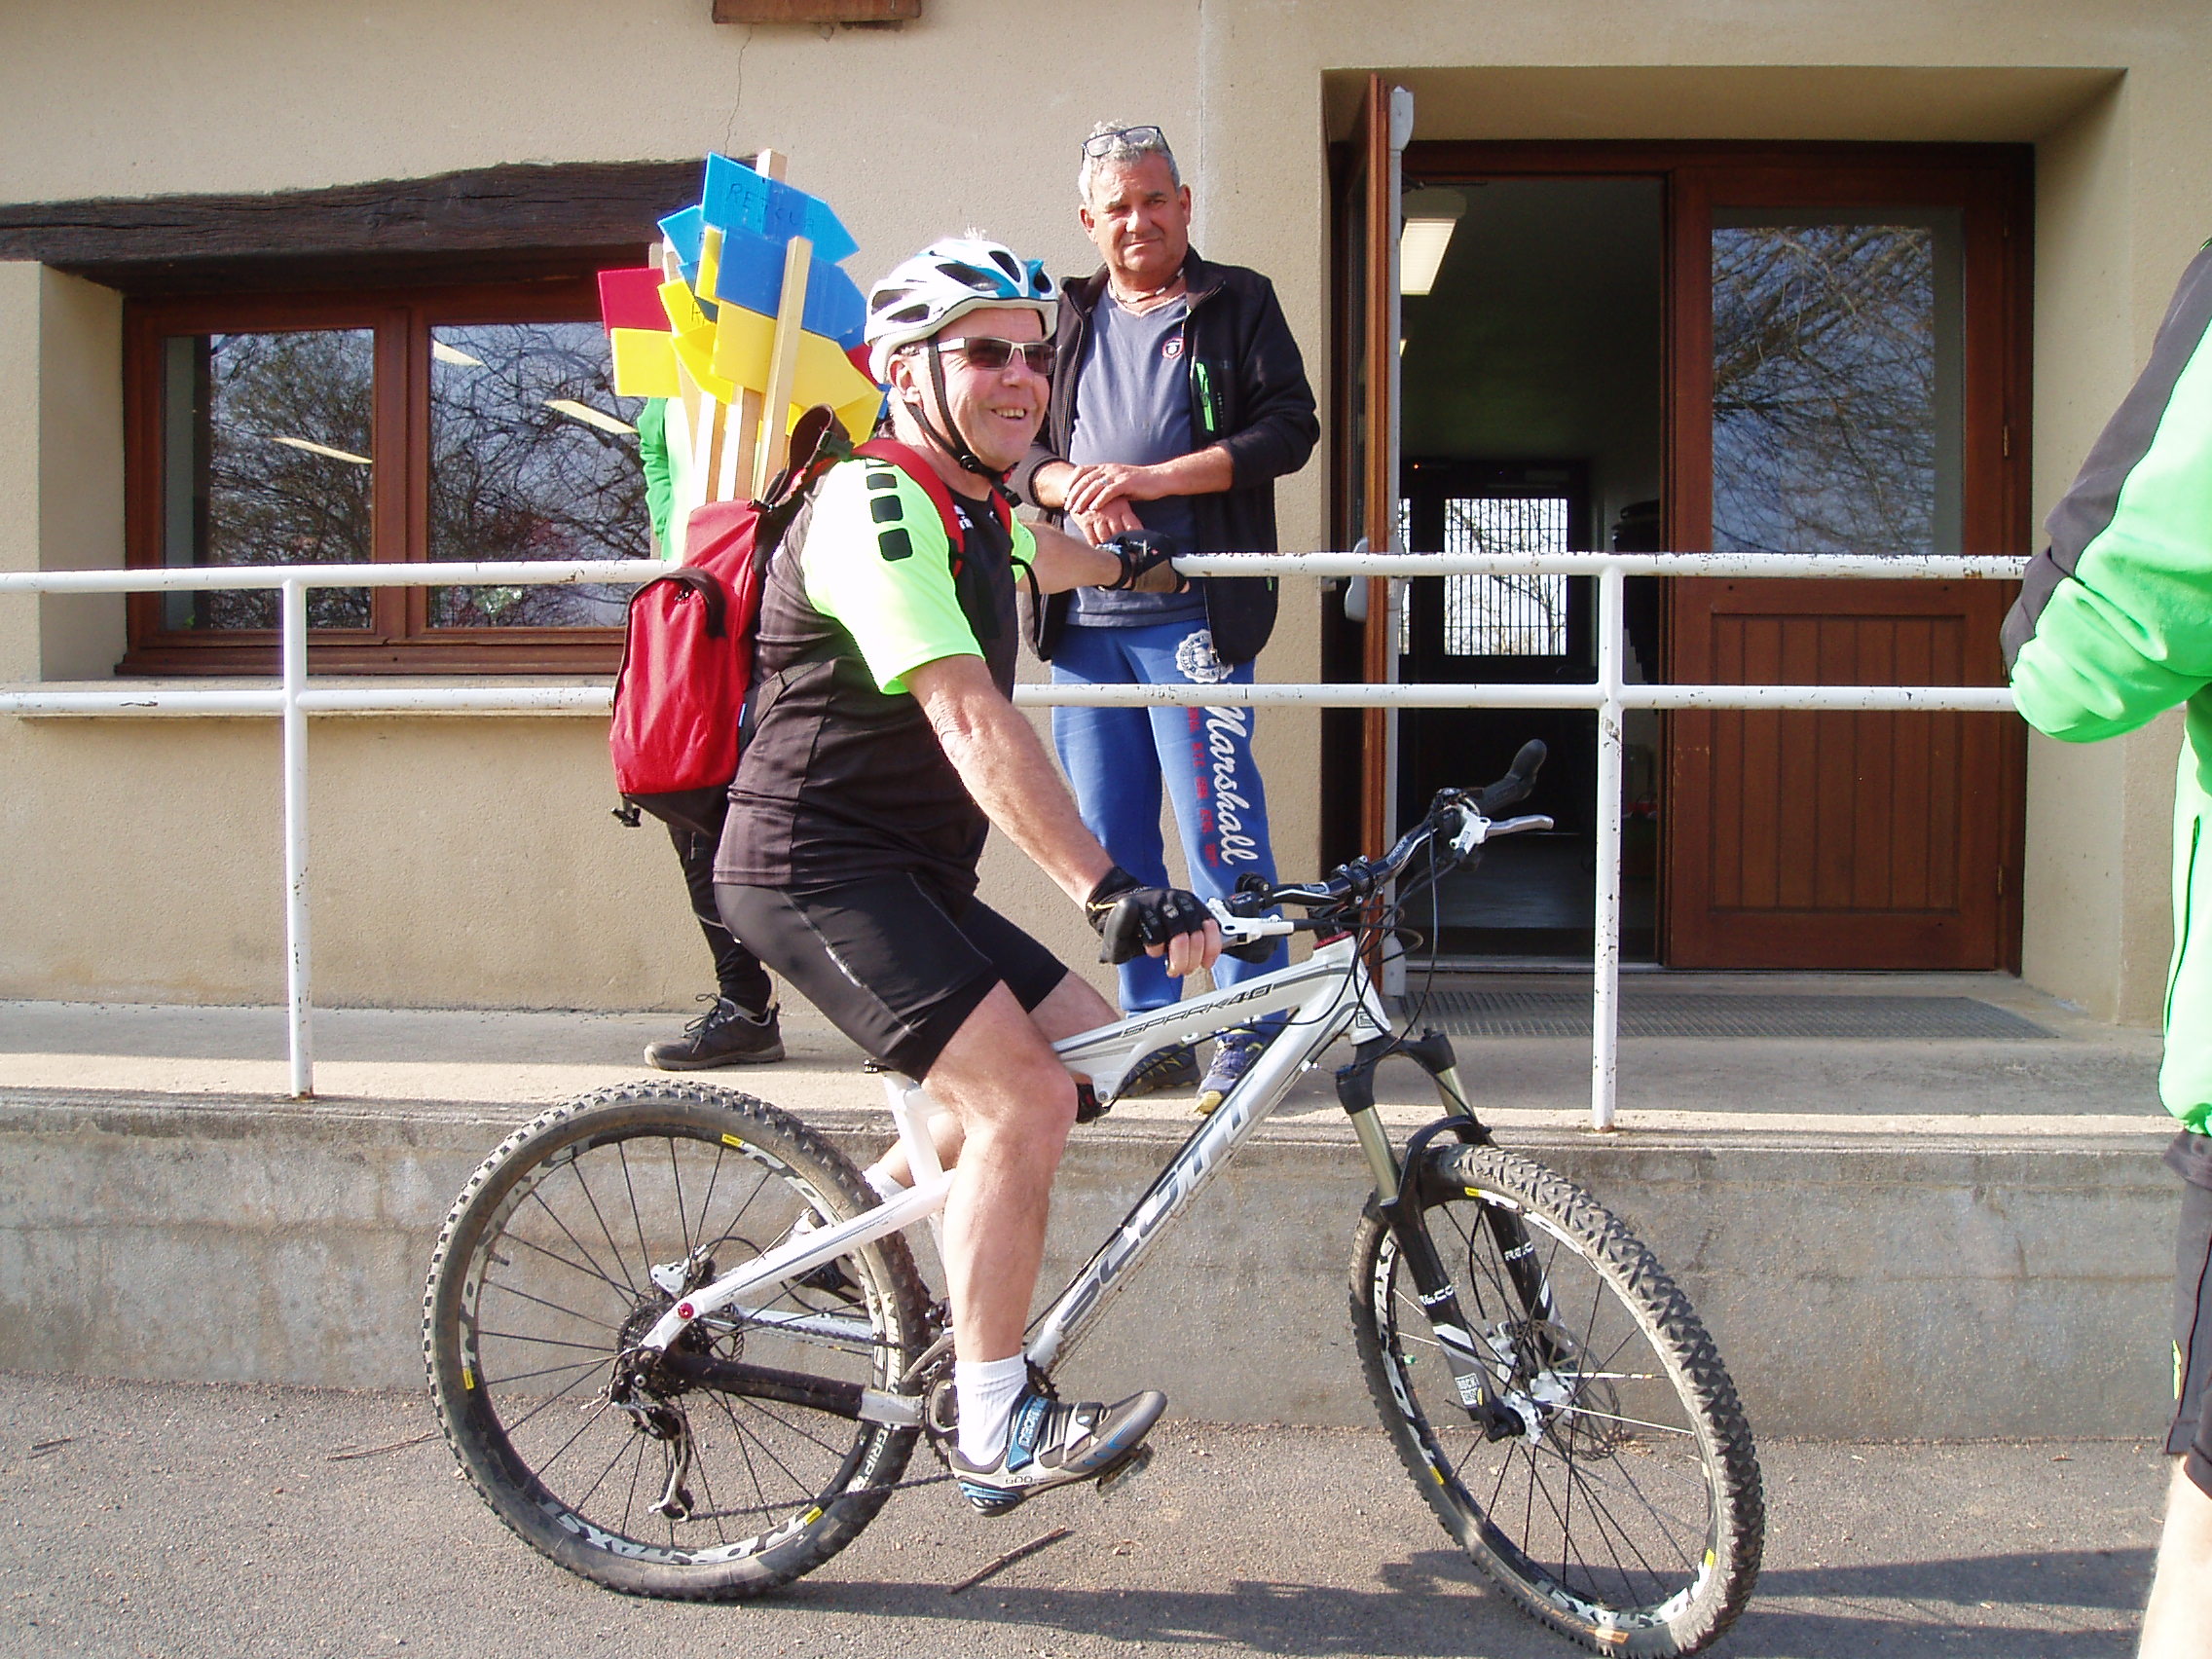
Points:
(497, 212)
(816, 11)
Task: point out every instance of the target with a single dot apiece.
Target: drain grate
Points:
(1876, 1019)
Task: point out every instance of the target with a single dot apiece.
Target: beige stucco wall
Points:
(968, 117)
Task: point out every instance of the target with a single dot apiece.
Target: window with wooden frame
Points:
(400, 426)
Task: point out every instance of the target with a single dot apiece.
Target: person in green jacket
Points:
(2113, 627)
(740, 1026)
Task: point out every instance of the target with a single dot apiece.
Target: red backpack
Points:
(687, 649)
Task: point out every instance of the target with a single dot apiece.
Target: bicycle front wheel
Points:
(738, 1461)
(1629, 1514)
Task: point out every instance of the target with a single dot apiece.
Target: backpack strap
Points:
(911, 461)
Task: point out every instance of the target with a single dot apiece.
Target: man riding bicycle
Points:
(885, 745)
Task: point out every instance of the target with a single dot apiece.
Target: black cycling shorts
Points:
(2190, 1435)
(895, 964)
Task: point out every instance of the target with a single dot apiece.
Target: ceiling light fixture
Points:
(590, 416)
(1430, 218)
(453, 355)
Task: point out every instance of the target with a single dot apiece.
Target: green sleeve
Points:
(652, 455)
(876, 561)
(2114, 621)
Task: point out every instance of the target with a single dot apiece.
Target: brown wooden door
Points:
(1847, 346)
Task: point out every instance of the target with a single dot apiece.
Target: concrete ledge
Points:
(1948, 1288)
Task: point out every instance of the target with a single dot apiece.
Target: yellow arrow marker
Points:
(644, 364)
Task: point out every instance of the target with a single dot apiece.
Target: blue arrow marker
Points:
(752, 276)
(686, 234)
(736, 198)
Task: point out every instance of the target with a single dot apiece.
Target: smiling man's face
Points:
(1139, 219)
(997, 410)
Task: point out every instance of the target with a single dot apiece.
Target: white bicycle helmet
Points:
(947, 280)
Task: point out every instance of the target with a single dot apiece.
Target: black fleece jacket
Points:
(1248, 395)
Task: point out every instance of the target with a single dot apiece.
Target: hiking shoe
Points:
(1161, 1069)
(1048, 1444)
(725, 1034)
(1232, 1056)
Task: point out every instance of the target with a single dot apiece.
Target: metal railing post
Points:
(1606, 935)
(298, 989)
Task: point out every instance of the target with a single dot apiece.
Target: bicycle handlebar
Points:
(1466, 814)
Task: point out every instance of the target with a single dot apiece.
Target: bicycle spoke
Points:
(548, 1371)
(768, 1451)
(707, 1201)
(744, 1443)
(1615, 1416)
(637, 1216)
(549, 1403)
(506, 1289)
(614, 1250)
(762, 1407)
(594, 1269)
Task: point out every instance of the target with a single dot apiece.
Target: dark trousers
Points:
(738, 973)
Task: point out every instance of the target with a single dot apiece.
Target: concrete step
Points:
(1866, 1274)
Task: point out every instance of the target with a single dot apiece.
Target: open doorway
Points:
(1534, 418)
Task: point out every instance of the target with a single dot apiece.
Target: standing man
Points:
(885, 746)
(1181, 399)
(739, 1027)
(2113, 627)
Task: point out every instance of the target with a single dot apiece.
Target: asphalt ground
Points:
(234, 1522)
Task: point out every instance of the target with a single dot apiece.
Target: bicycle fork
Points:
(1397, 1201)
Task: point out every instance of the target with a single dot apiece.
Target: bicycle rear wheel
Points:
(1629, 1516)
(741, 1461)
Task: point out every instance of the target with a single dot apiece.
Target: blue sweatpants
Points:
(1117, 758)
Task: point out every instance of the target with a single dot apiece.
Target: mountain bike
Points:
(682, 1348)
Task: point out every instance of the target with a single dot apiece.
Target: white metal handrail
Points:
(1609, 696)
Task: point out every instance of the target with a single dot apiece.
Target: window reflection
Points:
(266, 461)
(532, 456)
(1836, 364)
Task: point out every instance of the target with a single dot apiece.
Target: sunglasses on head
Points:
(988, 353)
(1136, 137)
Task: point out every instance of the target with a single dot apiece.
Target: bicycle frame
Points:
(1325, 996)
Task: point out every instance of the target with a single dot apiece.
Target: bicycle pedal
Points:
(1112, 1479)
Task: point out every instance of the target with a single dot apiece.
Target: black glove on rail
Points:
(1128, 917)
(1145, 567)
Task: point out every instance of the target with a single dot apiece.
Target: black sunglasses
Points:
(1137, 138)
(990, 353)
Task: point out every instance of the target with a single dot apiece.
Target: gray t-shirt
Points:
(1132, 405)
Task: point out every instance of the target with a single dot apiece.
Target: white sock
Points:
(986, 1389)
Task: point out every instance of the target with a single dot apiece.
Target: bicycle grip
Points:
(1520, 777)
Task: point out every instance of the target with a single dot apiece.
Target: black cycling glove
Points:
(1145, 567)
(1128, 917)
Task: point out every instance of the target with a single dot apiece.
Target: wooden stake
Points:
(782, 367)
(752, 405)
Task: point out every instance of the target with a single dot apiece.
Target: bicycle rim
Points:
(739, 1471)
(1629, 1515)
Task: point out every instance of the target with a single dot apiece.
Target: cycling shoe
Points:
(1052, 1444)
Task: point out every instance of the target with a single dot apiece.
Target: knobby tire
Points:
(1630, 1518)
(541, 1277)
